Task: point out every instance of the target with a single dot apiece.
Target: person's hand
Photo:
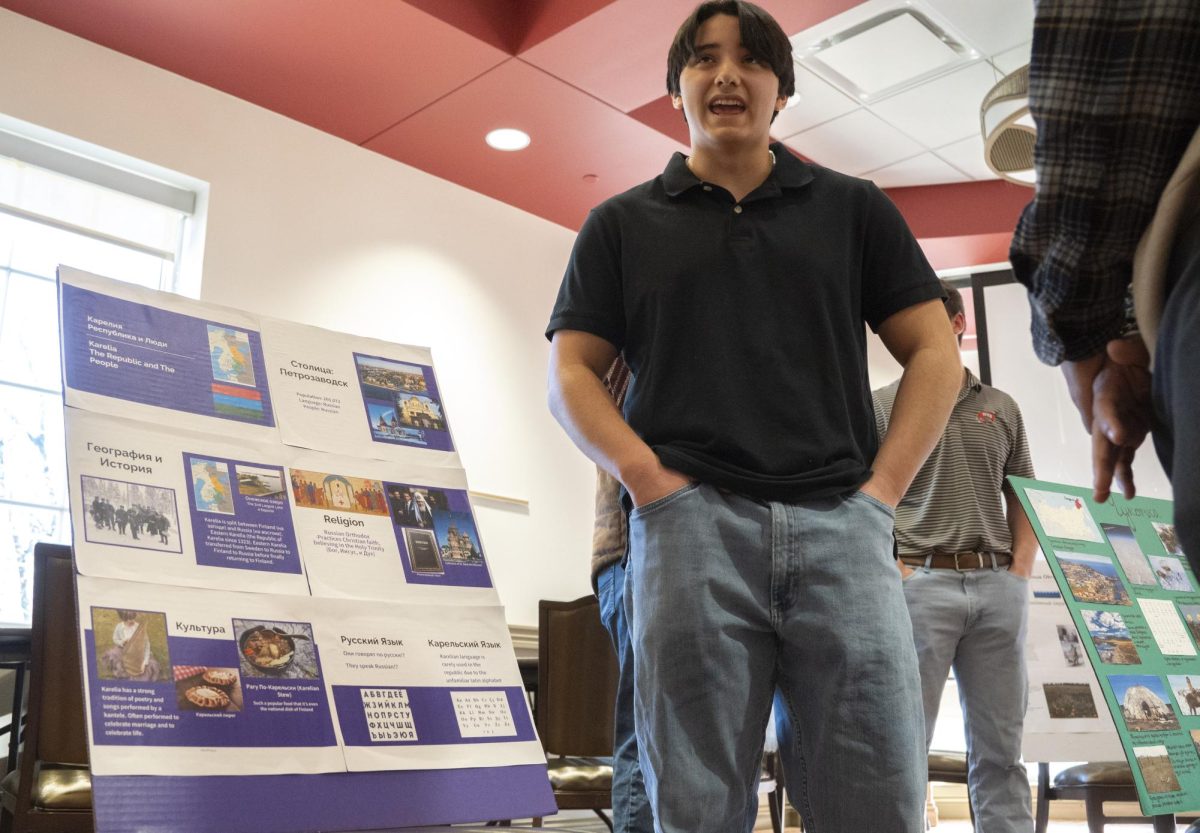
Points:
(905, 570)
(1022, 570)
(657, 482)
(878, 488)
(1112, 393)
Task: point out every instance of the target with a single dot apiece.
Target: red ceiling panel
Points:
(966, 250)
(619, 53)
(574, 136)
(962, 208)
(664, 118)
(352, 70)
(498, 22)
(546, 18)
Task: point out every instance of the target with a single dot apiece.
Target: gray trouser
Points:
(975, 622)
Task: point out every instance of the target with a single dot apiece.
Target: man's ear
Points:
(677, 102)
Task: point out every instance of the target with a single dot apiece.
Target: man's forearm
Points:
(1024, 540)
(585, 409)
(582, 405)
(923, 403)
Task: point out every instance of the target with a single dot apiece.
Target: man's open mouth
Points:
(726, 106)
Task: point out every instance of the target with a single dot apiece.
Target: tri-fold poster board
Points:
(286, 614)
(1134, 604)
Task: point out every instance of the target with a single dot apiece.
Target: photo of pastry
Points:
(207, 689)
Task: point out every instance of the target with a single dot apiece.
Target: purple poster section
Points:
(143, 354)
(308, 803)
(433, 716)
(402, 403)
(240, 515)
(264, 712)
(435, 530)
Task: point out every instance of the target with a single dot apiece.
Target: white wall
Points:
(307, 227)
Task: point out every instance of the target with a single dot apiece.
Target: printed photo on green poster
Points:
(1135, 603)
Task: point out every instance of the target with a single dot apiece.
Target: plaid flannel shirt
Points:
(1114, 89)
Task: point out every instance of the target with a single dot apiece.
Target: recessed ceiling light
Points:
(507, 138)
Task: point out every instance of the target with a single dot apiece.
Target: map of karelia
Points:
(1064, 516)
(230, 353)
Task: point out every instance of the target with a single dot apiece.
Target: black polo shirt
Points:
(742, 323)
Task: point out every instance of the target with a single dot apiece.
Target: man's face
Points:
(728, 95)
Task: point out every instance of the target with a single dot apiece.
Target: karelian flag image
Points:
(237, 402)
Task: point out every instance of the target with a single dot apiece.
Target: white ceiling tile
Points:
(818, 102)
(967, 156)
(925, 169)
(992, 26)
(942, 110)
(892, 52)
(857, 142)
(1013, 59)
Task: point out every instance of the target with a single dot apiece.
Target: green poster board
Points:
(1136, 605)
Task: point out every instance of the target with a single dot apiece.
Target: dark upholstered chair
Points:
(577, 691)
(50, 791)
(950, 768)
(1094, 784)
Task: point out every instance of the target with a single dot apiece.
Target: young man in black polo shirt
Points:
(736, 285)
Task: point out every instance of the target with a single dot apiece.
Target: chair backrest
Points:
(56, 730)
(577, 679)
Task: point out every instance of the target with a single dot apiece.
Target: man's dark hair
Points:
(953, 300)
(761, 36)
(953, 303)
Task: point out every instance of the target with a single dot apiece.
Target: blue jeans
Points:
(631, 808)
(729, 597)
(975, 623)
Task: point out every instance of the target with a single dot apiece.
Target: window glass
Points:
(47, 219)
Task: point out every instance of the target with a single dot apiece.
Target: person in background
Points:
(610, 542)
(966, 554)
(1110, 246)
